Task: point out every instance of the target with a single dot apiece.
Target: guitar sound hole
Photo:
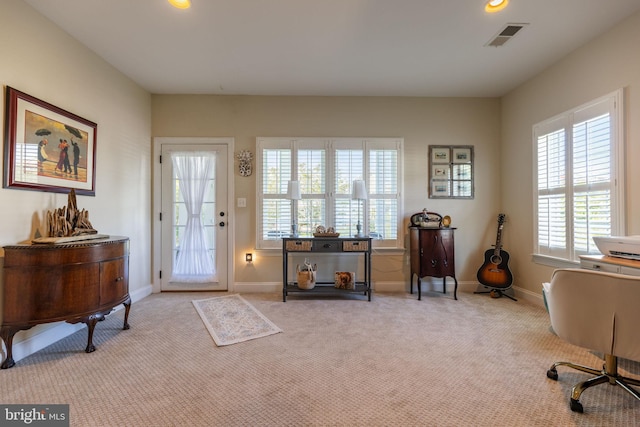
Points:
(496, 259)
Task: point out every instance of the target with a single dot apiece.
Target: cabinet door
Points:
(114, 281)
(437, 253)
(36, 295)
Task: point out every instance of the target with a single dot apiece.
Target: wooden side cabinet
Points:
(432, 254)
(74, 282)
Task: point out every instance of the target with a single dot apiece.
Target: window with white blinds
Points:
(580, 179)
(326, 169)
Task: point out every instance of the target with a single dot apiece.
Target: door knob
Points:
(221, 224)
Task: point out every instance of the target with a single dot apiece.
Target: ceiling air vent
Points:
(505, 34)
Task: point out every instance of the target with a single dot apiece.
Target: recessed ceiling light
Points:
(493, 6)
(181, 4)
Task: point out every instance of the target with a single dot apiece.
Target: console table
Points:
(325, 245)
(75, 282)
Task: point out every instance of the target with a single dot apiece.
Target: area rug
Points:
(232, 319)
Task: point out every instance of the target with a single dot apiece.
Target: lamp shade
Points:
(359, 190)
(293, 190)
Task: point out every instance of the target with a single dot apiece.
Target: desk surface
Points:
(612, 260)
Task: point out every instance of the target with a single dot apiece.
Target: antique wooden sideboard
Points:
(75, 282)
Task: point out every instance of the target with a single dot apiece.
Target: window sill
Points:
(554, 262)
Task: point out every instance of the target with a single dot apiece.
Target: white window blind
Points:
(326, 169)
(276, 169)
(580, 180)
(383, 188)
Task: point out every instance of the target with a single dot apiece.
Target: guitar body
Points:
(495, 272)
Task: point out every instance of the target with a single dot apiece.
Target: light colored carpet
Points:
(394, 361)
(230, 319)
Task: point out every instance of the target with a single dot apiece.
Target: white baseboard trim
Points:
(529, 296)
(523, 294)
(257, 287)
(378, 286)
(54, 332)
(430, 284)
(276, 287)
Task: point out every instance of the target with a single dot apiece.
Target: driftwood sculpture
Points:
(69, 221)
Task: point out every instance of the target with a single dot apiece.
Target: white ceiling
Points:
(331, 47)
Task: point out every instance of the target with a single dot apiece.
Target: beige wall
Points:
(41, 60)
(420, 121)
(600, 67)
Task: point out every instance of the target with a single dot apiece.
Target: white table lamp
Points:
(293, 194)
(359, 193)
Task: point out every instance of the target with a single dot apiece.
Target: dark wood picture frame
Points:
(47, 148)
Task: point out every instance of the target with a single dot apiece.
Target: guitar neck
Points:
(496, 251)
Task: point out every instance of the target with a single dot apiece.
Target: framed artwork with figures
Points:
(46, 147)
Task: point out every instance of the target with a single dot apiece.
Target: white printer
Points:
(619, 246)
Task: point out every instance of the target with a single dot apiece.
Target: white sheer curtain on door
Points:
(193, 262)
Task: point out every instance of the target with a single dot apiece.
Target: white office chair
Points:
(601, 312)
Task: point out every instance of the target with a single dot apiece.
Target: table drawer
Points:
(299, 245)
(599, 266)
(327, 246)
(355, 246)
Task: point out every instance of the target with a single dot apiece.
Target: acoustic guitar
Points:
(495, 272)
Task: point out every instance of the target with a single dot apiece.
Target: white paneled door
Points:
(194, 226)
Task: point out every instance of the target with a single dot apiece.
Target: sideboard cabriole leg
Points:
(91, 324)
(7, 334)
(127, 307)
(455, 290)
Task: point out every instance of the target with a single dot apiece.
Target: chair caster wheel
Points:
(576, 406)
(553, 374)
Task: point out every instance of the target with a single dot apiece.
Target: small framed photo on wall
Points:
(462, 155)
(440, 171)
(440, 155)
(440, 188)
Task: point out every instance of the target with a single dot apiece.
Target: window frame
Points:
(611, 103)
(331, 145)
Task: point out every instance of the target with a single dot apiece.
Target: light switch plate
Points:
(242, 202)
